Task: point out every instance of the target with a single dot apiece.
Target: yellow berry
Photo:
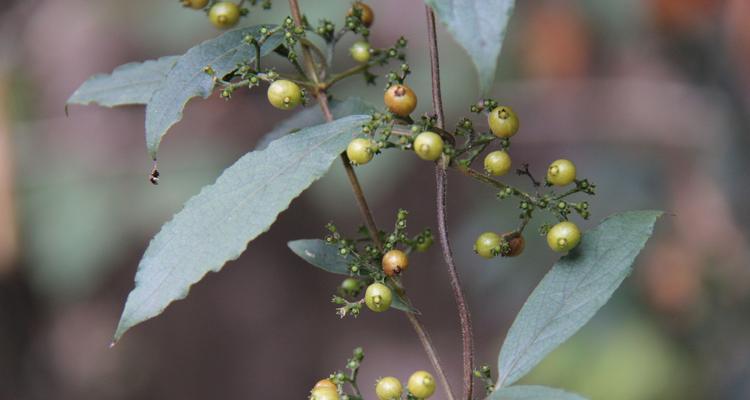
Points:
(561, 172)
(564, 236)
(503, 122)
(224, 14)
(497, 163)
(360, 151)
(428, 146)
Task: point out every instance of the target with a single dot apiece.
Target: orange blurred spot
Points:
(556, 43)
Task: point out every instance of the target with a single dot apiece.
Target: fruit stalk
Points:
(322, 99)
(441, 178)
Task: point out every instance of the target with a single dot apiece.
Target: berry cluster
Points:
(396, 128)
(378, 271)
(421, 384)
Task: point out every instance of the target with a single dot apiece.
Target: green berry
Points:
(497, 163)
(324, 393)
(428, 146)
(360, 51)
(389, 388)
(378, 297)
(421, 384)
(350, 285)
(284, 94)
(360, 151)
(564, 236)
(487, 244)
(224, 14)
(503, 122)
(561, 172)
(195, 4)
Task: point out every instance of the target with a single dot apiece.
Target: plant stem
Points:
(322, 98)
(441, 178)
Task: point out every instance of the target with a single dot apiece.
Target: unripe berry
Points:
(564, 236)
(360, 51)
(400, 100)
(366, 14)
(394, 262)
(497, 163)
(389, 388)
(224, 14)
(284, 94)
(561, 172)
(324, 394)
(325, 383)
(378, 297)
(428, 146)
(360, 151)
(421, 384)
(503, 122)
(350, 286)
(487, 244)
(195, 4)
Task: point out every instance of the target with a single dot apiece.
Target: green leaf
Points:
(322, 255)
(216, 225)
(132, 83)
(188, 79)
(532, 393)
(479, 26)
(573, 290)
(313, 116)
(327, 257)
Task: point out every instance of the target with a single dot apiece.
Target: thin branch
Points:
(322, 98)
(441, 178)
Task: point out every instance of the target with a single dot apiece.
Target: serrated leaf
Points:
(327, 257)
(216, 225)
(132, 83)
(533, 393)
(313, 116)
(188, 79)
(479, 27)
(573, 291)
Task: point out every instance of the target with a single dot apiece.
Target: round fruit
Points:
(428, 146)
(284, 94)
(195, 4)
(325, 383)
(400, 100)
(324, 393)
(389, 388)
(421, 384)
(378, 297)
(563, 236)
(350, 286)
(503, 122)
(516, 244)
(488, 244)
(497, 163)
(394, 262)
(360, 51)
(366, 15)
(561, 172)
(224, 14)
(424, 243)
(360, 151)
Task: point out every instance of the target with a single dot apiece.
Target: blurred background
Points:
(651, 98)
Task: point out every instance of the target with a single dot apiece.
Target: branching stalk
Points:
(364, 208)
(441, 178)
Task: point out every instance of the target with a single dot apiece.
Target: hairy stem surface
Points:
(441, 179)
